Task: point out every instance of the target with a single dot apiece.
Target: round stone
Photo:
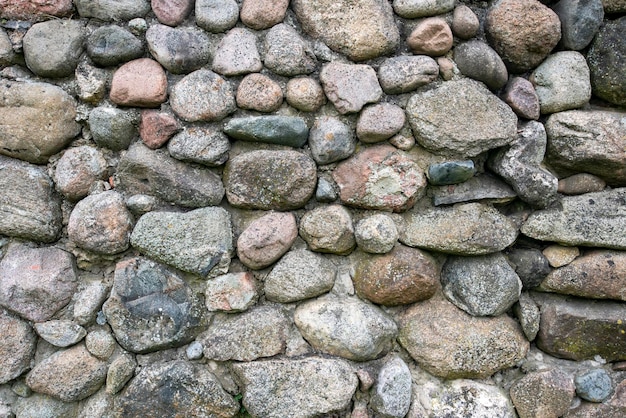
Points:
(432, 36)
(328, 229)
(305, 93)
(139, 83)
(376, 234)
(379, 122)
(78, 169)
(202, 96)
(259, 92)
(465, 23)
(594, 385)
(331, 140)
(112, 45)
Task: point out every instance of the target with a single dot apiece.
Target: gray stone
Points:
(43, 406)
(60, 332)
(100, 343)
(179, 50)
(232, 292)
(259, 92)
(465, 23)
(273, 129)
(202, 96)
(205, 145)
(328, 229)
(7, 55)
(594, 385)
(542, 393)
(87, 302)
(520, 94)
(91, 82)
(446, 121)
(305, 94)
(606, 56)
(108, 10)
(306, 387)
(450, 172)
(139, 204)
(406, 73)
(580, 184)
(580, 21)
(52, 49)
(266, 239)
(216, 15)
(325, 191)
(144, 171)
(237, 54)
(194, 351)
(479, 61)
(347, 328)
(411, 9)
(17, 346)
(199, 241)
(331, 140)
(78, 169)
(286, 53)
(112, 45)
(527, 312)
(350, 86)
(121, 370)
(483, 187)
(391, 394)
(530, 265)
(379, 122)
(376, 234)
(113, 128)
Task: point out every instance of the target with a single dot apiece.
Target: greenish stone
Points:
(281, 130)
(450, 172)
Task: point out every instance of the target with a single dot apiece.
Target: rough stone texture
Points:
(232, 292)
(527, 312)
(200, 144)
(391, 394)
(580, 184)
(262, 14)
(450, 172)
(405, 73)
(380, 177)
(36, 282)
(202, 96)
(60, 333)
(305, 94)
(451, 344)
(431, 36)
(87, 302)
(328, 229)
(465, 23)
(520, 94)
(140, 83)
(216, 15)
(479, 61)
(52, 48)
(594, 385)
(121, 370)
(271, 129)
(350, 86)
(545, 393)
(237, 54)
(286, 53)
(403, 276)
(38, 405)
(331, 140)
(36, 120)
(461, 118)
(465, 229)
(348, 328)
(605, 57)
(270, 180)
(419, 8)
(580, 21)
(108, 10)
(113, 45)
(100, 343)
(483, 187)
(17, 346)
(156, 128)
(266, 239)
(27, 10)
(530, 265)
(376, 234)
(151, 307)
(259, 92)
(592, 219)
(522, 32)
(379, 122)
(78, 169)
(559, 256)
(305, 387)
(179, 50)
(199, 241)
(112, 128)
(172, 12)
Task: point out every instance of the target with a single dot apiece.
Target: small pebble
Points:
(194, 351)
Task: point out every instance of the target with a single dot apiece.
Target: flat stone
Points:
(479, 61)
(450, 172)
(271, 129)
(446, 121)
(411, 9)
(391, 394)
(546, 392)
(350, 86)
(580, 21)
(379, 122)
(157, 127)
(259, 92)
(266, 239)
(179, 50)
(530, 265)
(104, 10)
(27, 10)
(237, 54)
(606, 56)
(305, 93)
(594, 385)
(78, 169)
(406, 73)
(529, 316)
(60, 333)
(172, 12)
(376, 234)
(204, 145)
(38, 404)
(262, 14)
(559, 256)
(139, 83)
(464, 229)
(431, 36)
(465, 23)
(202, 96)
(286, 52)
(199, 241)
(17, 346)
(520, 94)
(113, 45)
(328, 229)
(216, 15)
(232, 292)
(581, 183)
(112, 127)
(483, 187)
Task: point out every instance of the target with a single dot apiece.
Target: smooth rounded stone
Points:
(403, 276)
(406, 73)
(17, 346)
(465, 23)
(87, 302)
(237, 54)
(543, 393)
(263, 14)
(202, 96)
(477, 60)
(100, 343)
(481, 286)
(121, 370)
(606, 58)
(144, 171)
(411, 9)
(305, 94)
(450, 172)
(559, 256)
(380, 178)
(36, 282)
(78, 169)
(347, 328)
(266, 239)
(69, 375)
(113, 45)
(30, 208)
(581, 183)
(175, 388)
(527, 312)
(112, 128)
(376, 234)
(91, 82)
(232, 292)
(139, 83)
(138, 26)
(312, 386)
(270, 180)
(325, 191)
(199, 241)
(391, 394)
(379, 122)
(259, 92)
(530, 265)
(445, 120)
(464, 229)
(157, 127)
(216, 15)
(331, 140)
(261, 331)
(431, 36)
(594, 385)
(28, 10)
(60, 332)
(580, 21)
(286, 52)
(7, 54)
(520, 94)
(599, 274)
(200, 144)
(592, 219)
(172, 12)
(482, 188)
(37, 120)
(179, 50)
(589, 142)
(108, 10)
(349, 87)
(194, 351)
(139, 204)
(101, 223)
(271, 129)
(328, 229)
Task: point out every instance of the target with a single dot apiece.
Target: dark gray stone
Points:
(479, 61)
(273, 129)
(594, 385)
(483, 187)
(580, 21)
(113, 128)
(179, 50)
(607, 59)
(450, 172)
(200, 144)
(331, 140)
(530, 265)
(325, 191)
(112, 45)
(286, 53)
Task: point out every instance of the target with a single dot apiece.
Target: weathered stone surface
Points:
(232, 292)
(112, 127)
(328, 229)
(272, 129)
(520, 94)
(406, 73)
(262, 14)
(431, 36)
(237, 54)
(108, 10)
(266, 239)
(376, 234)
(465, 229)
(69, 375)
(199, 241)
(614, 6)
(594, 385)
(306, 387)
(300, 274)
(151, 307)
(559, 256)
(465, 23)
(380, 177)
(379, 122)
(216, 15)
(36, 282)
(450, 172)
(156, 128)
(529, 316)
(581, 183)
(259, 92)
(38, 405)
(580, 21)
(479, 61)
(447, 119)
(172, 12)
(403, 276)
(391, 394)
(347, 328)
(270, 180)
(592, 219)
(451, 344)
(144, 171)
(205, 145)
(286, 53)
(483, 187)
(546, 393)
(88, 301)
(202, 96)
(17, 346)
(120, 371)
(139, 83)
(112, 45)
(36, 120)
(420, 8)
(530, 265)
(78, 169)
(7, 54)
(325, 191)
(179, 50)
(29, 10)
(100, 343)
(52, 48)
(350, 86)
(60, 333)
(606, 57)
(331, 140)
(175, 388)
(305, 93)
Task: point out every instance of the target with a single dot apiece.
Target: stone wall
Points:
(315, 208)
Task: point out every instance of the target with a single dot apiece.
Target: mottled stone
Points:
(139, 83)
(266, 239)
(520, 94)
(121, 370)
(481, 188)
(350, 86)
(286, 52)
(112, 127)
(376, 234)
(113, 45)
(431, 36)
(157, 127)
(216, 15)
(237, 54)
(450, 172)
(88, 301)
(305, 94)
(465, 23)
(172, 12)
(328, 229)
(259, 92)
(200, 144)
(614, 6)
(331, 140)
(107, 11)
(606, 58)
(546, 393)
(530, 265)
(232, 292)
(37, 405)
(29, 10)
(91, 82)
(529, 316)
(559, 256)
(7, 54)
(411, 9)
(325, 191)
(52, 48)
(262, 14)
(179, 50)
(60, 333)
(100, 343)
(406, 73)
(581, 183)
(391, 394)
(379, 122)
(17, 346)
(594, 385)
(580, 21)
(479, 61)
(78, 169)
(202, 96)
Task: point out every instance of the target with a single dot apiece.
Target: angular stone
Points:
(465, 23)
(139, 83)
(305, 93)
(270, 180)
(202, 96)
(37, 120)
(121, 10)
(331, 140)
(156, 128)
(78, 169)
(479, 61)
(87, 302)
(232, 292)
(405, 73)
(391, 394)
(179, 50)
(237, 54)
(483, 187)
(559, 256)
(350, 87)
(266, 239)
(376, 234)
(200, 144)
(7, 54)
(17, 346)
(328, 229)
(28, 10)
(530, 265)
(465, 229)
(520, 94)
(172, 12)
(445, 120)
(325, 191)
(121, 370)
(199, 241)
(529, 316)
(151, 308)
(379, 122)
(546, 393)
(286, 52)
(113, 45)
(112, 127)
(60, 333)
(273, 129)
(450, 172)
(580, 21)
(411, 9)
(262, 14)
(259, 92)
(431, 36)
(52, 48)
(580, 184)
(606, 56)
(216, 15)
(381, 178)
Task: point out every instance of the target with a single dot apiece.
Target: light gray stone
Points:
(527, 312)
(205, 145)
(179, 50)
(52, 48)
(87, 302)
(376, 234)
(406, 73)
(60, 332)
(328, 229)
(216, 15)
(350, 86)
(91, 82)
(286, 53)
(237, 54)
(112, 10)
(202, 96)
(421, 8)
(40, 406)
(7, 55)
(17, 346)
(331, 140)
(483, 187)
(594, 385)
(391, 394)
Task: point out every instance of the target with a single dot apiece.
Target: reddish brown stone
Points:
(259, 92)
(431, 36)
(263, 14)
(141, 82)
(522, 97)
(34, 10)
(232, 292)
(172, 12)
(266, 239)
(156, 128)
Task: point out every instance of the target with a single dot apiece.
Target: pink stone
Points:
(259, 92)
(141, 82)
(522, 97)
(172, 12)
(263, 14)
(267, 239)
(34, 10)
(156, 128)
(232, 292)
(431, 36)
